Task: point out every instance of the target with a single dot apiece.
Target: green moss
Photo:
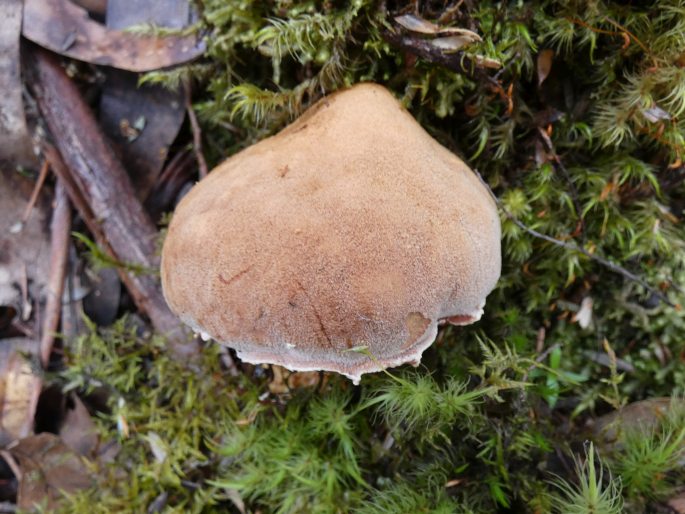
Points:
(590, 157)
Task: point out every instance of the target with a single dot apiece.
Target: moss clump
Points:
(586, 161)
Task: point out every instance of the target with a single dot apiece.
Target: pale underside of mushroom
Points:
(339, 244)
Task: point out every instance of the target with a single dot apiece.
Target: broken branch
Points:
(59, 251)
(197, 134)
(101, 190)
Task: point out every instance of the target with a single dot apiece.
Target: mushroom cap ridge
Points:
(352, 227)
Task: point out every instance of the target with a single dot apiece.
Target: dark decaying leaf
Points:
(66, 29)
(544, 64)
(142, 121)
(48, 467)
(143, 150)
(177, 173)
(15, 143)
(78, 431)
(19, 388)
(101, 304)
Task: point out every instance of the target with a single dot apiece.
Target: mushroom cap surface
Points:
(350, 228)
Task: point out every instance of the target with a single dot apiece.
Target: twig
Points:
(449, 13)
(600, 260)
(197, 134)
(26, 306)
(575, 248)
(59, 251)
(36, 191)
(455, 61)
(12, 464)
(99, 187)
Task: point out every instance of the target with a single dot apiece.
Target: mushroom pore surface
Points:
(350, 228)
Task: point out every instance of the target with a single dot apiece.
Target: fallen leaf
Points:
(300, 379)
(176, 14)
(65, 28)
(545, 58)
(237, 499)
(101, 304)
(19, 389)
(285, 380)
(78, 431)
(278, 384)
(417, 24)
(15, 142)
(584, 315)
(452, 43)
(158, 447)
(142, 123)
(153, 113)
(677, 503)
(487, 62)
(48, 467)
(656, 113)
(158, 503)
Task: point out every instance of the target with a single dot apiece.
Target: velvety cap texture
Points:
(350, 228)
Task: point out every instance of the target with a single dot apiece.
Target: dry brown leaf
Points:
(487, 62)
(285, 380)
(65, 28)
(19, 389)
(48, 467)
(278, 384)
(78, 430)
(545, 59)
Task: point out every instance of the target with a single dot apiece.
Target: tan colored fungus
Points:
(350, 228)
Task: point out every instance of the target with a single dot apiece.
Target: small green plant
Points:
(404, 496)
(307, 460)
(593, 493)
(649, 457)
(99, 259)
(414, 404)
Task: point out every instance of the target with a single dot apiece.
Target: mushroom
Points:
(338, 244)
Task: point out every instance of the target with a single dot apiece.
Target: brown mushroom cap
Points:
(350, 228)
